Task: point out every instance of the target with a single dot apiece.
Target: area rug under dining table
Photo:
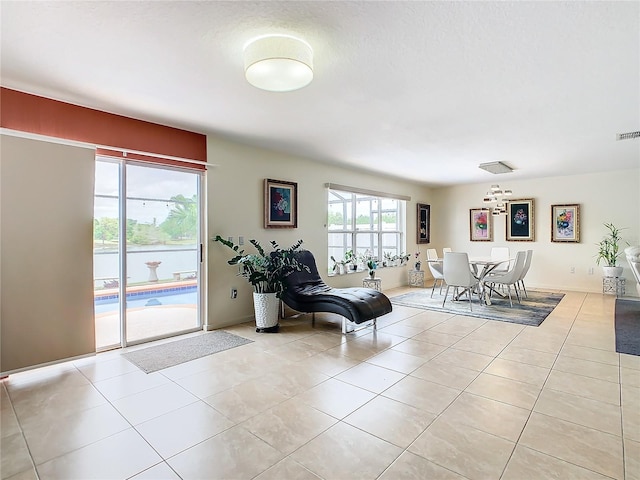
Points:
(532, 310)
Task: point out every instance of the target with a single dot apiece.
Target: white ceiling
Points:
(421, 90)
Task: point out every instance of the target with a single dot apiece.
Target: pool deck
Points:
(144, 322)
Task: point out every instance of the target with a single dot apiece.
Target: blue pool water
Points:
(167, 296)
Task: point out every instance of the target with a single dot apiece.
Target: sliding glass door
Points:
(153, 259)
(106, 255)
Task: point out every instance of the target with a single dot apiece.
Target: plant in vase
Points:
(351, 259)
(372, 265)
(266, 272)
(418, 264)
(338, 266)
(609, 251)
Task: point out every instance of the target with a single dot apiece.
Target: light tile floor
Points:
(429, 396)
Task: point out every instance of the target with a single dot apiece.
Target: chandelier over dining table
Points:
(500, 197)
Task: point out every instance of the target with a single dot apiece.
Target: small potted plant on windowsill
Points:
(338, 266)
(266, 272)
(351, 260)
(609, 251)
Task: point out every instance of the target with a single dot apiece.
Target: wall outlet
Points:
(590, 270)
(572, 269)
(234, 293)
(240, 240)
(230, 239)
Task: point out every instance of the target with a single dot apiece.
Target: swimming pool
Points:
(150, 298)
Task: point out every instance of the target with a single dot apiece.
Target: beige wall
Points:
(235, 207)
(46, 252)
(603, 197)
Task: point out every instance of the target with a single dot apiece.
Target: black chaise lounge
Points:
(306, 292)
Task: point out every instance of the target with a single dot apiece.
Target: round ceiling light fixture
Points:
(278, 63)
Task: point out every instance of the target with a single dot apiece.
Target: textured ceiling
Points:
(420, 90)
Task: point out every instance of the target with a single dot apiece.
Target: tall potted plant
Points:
(609, 251)
(266, 272)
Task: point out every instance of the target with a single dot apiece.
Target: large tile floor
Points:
(429, 396)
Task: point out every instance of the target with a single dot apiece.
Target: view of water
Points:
(106, 264)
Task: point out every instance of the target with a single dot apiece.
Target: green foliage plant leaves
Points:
(609, 246)
(265, 271)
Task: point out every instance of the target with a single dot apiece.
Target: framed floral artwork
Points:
(424, 223)
(480, 225)
(280, 204)
(520, 220)
(565, 223)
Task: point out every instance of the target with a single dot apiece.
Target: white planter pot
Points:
(612, 271)
(265, 306)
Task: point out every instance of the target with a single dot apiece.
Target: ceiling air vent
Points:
(627, 136)
(496, 167)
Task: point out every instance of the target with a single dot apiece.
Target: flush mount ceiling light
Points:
(496, 167)
(278, 63)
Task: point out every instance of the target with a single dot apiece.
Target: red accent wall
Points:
(25, 112)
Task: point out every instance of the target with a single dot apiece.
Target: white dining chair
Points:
(500, 254)
(512, 277)
(633, 257)
(457, 273)
(436, 269)
(432, 254)
(525, 269)
(445, 250)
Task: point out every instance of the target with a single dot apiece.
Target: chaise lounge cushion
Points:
(307, 292)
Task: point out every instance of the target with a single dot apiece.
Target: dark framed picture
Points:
(280, 204)
(480, 225)
(520, 220)
(565, 223)
(424, 223)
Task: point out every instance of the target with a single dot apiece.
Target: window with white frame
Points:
(366, 224)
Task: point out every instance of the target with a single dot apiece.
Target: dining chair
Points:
(457, 273)
(445, 250)
(512, 277)
(632, 253)
(525, 269)
(500, 253)
(436, 269)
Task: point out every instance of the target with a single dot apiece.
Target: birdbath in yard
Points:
(153, 266)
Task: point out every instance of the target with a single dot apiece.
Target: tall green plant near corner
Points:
(265, 271)
(609, 246)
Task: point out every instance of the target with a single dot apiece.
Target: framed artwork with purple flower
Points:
(565, 223)
(480, 225)
(280, 204)
(424, 223)
(520, 220)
